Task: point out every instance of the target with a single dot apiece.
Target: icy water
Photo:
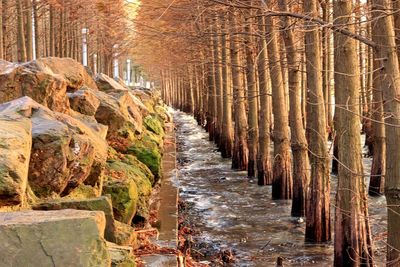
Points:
(233, 212)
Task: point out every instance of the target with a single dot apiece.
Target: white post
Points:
(95, 64)
(85, 31)
(116, 63)
(33, 35)
(128, 72)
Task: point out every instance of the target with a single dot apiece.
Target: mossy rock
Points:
(150, 137)
(154, 123)
(127, 171)
(125, 235)
(162, 111)
(124, 196)
(134, 162)
(82, 192)
(149, 155)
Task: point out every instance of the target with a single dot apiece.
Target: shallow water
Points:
(233, 212)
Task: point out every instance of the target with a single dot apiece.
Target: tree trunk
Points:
(240, 150)
(218, 81)
(301, 164)
(28, 29)
(36, 28)
(282, 174)
(252, 96)
(264, 164)
(212, 103)
(353, 244)
(383, 35)
(52, 34)
(318, 223)
(377, 179)
(227, 127)
(20, 33)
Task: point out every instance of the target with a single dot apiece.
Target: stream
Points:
(232, 212)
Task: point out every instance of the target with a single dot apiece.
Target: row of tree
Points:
(32, 29)
(256, 72)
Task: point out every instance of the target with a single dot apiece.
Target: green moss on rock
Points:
(154, 123)
(149, 155)
(137, 164)
(134, 173)
(83, 192)
(124, 196)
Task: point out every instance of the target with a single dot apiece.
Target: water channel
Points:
(233, 212)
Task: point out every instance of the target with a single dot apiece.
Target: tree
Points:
(301, 165)
(353, 244)
(240, 150)
(384, 36)
(264, 164)
(282, 175)
(318, 222)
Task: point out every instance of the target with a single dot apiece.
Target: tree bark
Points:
(240, 150)
(282, 175)
(318, 223)
(28, 29)
(377, 178)
(353, 244)
(301, 164)
(383, 34)
(20, 33)
(264, 164)
(227, 127)
(252, 96)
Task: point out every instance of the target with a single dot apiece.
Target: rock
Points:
(126, 172)
(94, 204)
(162, 111)
(53, 238)
(147, 152)
(83, 191)
(121, 115)
(124, 195)
(154, 123)
(65, 152)
(84, 101)
(15, 151)
(108, 84)
(125, 235)
(36, 82)
(46, 80)
(115, 88)
(121, 256)
(140, 168)
(71, 70)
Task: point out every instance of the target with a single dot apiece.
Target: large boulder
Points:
(124, 195)
(71, 70)
(121, 256)
(148, 152)
(125, 235)
(53, 238)
(15, 151)
(65, 151)
(118, 88)
(124, 173)
(46, 80)
(107, 84)
(43, 86)
(94, 204)
(84, 102)
(122, 117)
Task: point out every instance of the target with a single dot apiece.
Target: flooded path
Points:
(233, 212)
